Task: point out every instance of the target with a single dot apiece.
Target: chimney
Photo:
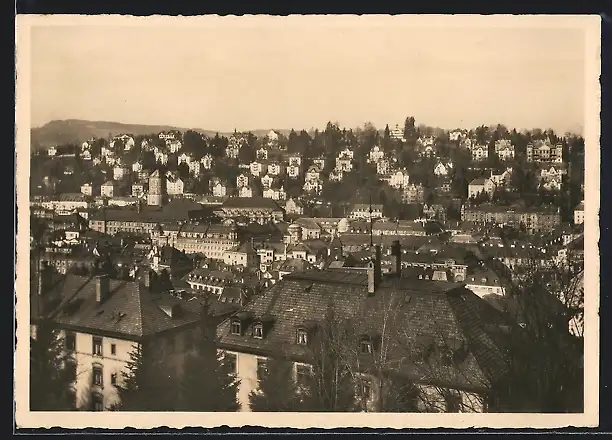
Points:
(396, 250)
(102, 288)
(374, 271)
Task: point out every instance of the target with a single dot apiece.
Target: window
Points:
(302, 375)
(232, 360)
(70, 342)
(113, 349)
(365, 345)
(258, 331)
(114, 379)
(98, 376)
(262, 368)
(97, 346)
(366, 389)
(236, 328)
(97, 402)
(302, 336)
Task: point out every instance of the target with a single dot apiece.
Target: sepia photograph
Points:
(336, 221)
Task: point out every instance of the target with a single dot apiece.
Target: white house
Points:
(194, 167)
(120, 172)
(137, 166)
(184, 158)
(579, 214)
(313, 174)
(219, 189)
(161, 157)
(262, 154)
(267, 181)
(174, 185)
(320, 162)
(481, 185)
(275, 193)
(383, 166)
(294, 159)
(504, 149)
(503, 178)
(443, 168)
(245, 192)
(85, 155)
(376, 154)
(258, 168)
(397, 133)
(87, 189)
(275, 168)
(336, 175)
(108, 189)
(174, 145)
(313, 186)
(207, 161)
(398, 179)
(242, 180)
(293, 171)
(480, 152)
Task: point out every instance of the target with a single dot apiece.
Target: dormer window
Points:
(366, 345)
(302, 336)
(258, 330)
(236, 327)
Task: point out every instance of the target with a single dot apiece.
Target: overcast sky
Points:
(253, 76)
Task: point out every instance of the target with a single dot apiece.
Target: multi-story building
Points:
(108, 189)
(255, 209)
(397, 133)
(365, 211)
(157, 189)
(208, 239)
(535, 219)
(480, 152)
(102, 321)
(545, 152)
(285, 318)
(504, 149)
(413, 193)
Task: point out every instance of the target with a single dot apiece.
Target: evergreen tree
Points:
(277, 389)
(52, 371)
(209, 381)
(148, 383)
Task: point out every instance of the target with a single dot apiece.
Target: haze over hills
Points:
(76, 131)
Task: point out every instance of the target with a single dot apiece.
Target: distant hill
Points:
(77, 131)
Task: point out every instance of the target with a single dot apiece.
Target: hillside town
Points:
(380, 269)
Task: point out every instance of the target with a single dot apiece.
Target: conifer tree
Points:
(148, 384)
(209, 381)
(52, 371)
(277, 390)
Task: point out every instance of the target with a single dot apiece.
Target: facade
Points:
(539, 219)
(108, 189)
(362, 211)
(504, 149)
(480, 152)
(256, 209)
(480, 186)
(544, 152)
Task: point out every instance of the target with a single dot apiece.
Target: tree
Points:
(277, 389)
(148, 382)
(183, 170)
(209, 381)
(410, 131)
(545, 352)
(52, 371)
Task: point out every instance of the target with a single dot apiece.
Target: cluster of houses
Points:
(151, 260)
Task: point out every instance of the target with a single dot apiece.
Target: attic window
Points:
(302, 336)
(236, 327)
(258, 330)
(365, 345)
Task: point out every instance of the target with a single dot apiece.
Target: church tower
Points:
(157, 189)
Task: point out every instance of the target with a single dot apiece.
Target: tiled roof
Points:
(478, 181)
(130, 309)
(251, 202)
(428, 310)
